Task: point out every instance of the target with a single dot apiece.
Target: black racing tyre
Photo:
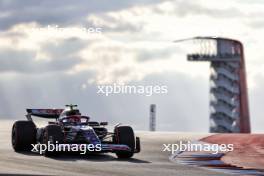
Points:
(23, 135)
(52, 134)
(125, 135)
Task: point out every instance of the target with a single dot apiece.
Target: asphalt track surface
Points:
(150, 162)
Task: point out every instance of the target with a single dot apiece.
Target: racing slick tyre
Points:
(52, 135)
(125, 135)
(23, 135)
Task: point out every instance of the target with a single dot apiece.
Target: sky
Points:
(41, 68)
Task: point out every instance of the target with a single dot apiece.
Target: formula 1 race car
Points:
(70, 127)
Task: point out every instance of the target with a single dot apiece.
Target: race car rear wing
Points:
(44, 113)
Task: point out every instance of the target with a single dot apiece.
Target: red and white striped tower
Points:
(229, 110)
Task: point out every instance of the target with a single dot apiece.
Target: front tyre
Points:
(52, 135)
(23, 135)
(125, 135)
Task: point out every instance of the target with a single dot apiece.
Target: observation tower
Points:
(229, 110)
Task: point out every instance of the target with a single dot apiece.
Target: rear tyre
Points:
(52, 135)
(23, 135)
(125, 135)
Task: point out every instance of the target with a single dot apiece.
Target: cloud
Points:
(57, 12)
(64, 48)
(256, 104)
(186, 8)
(61, 57)
(158, 54)
(41, 70)
(50, 91)
(115, 24)
(256, 23)
(115, 62)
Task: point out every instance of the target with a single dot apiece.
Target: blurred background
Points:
(48, 69)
